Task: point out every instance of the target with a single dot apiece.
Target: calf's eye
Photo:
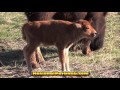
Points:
(87, 28)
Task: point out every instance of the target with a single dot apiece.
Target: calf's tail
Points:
(25, 29)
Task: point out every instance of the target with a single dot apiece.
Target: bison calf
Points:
(62, 34)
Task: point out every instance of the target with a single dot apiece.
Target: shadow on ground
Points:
(10, 57)
(16, 56)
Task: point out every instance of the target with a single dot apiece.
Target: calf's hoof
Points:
(35, 65)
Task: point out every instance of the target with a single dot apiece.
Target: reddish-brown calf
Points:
(62, 34)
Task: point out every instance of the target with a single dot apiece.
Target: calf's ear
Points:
(90, 20)
(78, 25)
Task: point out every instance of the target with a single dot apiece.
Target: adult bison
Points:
(98, 22)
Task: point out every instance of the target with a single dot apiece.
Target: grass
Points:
(10, 25)
(104, 63)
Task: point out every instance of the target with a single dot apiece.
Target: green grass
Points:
(103, 63)
(10, 25)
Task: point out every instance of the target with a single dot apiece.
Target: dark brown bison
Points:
(62, 34)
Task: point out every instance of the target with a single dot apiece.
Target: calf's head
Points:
(84, 27)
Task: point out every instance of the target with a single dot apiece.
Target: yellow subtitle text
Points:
(60, 73)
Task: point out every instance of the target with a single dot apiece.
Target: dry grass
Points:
(104, 63)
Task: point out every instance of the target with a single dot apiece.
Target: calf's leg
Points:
(64, 59)
(28, 54)
(39, 54)
(34, 61)
(67, 59)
